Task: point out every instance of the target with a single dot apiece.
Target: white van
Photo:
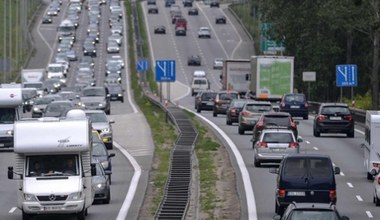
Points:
(371, 143)
(53, 165)
(199, 73)
(198, 84)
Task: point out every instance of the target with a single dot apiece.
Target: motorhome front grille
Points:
(52, 198)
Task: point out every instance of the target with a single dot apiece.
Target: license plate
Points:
(1, 145)
(296, 193)
(210, 103)
(294, 106)
(335, 118)
(51, 208)
(276, 149)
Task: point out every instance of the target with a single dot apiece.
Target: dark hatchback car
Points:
(223, 100)
(296, 104)
(296, 211)
(274, 120)
(194, 60)
(116, 92)
(100, 153)
(334, 118)
(305, 178)
(205, 100)
(193, 11)
(232, 115)
(180, 31)
(160, 29)
(221, 19)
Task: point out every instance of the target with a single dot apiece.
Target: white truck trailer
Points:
(53, 166)
(10, 111)
(371, 143)
(236, 75)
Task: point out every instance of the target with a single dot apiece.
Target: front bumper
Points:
(64, 207)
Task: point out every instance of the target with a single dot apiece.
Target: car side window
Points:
(320, 167)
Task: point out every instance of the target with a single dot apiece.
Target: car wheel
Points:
(215, 114)
(377, 202)
(109, 146)
(108, 112)
(257, 163)
(26, 216)
(306, 117)
(316, 133)
(107, 200)
(122, 99)
(241, 130)
(279, 209)
(81, 215)
(228, 122)
(351, 134)
(199, 110)
(369, 176)
(109, 178)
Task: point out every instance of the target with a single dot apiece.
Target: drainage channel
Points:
(177, 190)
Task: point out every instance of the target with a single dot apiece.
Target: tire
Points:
(199, 110)
(109, 146)
(109, 178)
(377, 201)
(215, 114)
(228, 122)
(26, 216)
(369, 176)
(306, 117)
(107, 200)
(240, 130)
(316, 133)
(122, 100)
(279, 209)
(108, 112)
(81, 215)
(257, 163)
(351, 134)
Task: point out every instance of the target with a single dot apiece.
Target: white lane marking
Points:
(307, 142)
(12, 209)
(359, 198)
(43, 38)
(369, 214)
(341, 173)
(334, 164)
(250, 196)
(133, 185)
(315, 148)
(350, 185)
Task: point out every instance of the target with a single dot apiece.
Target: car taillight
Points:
(306, 105)
(378, 180)
(245, 113)
(332, 194)
(348, 117)
(293, 145)
(217, 101)
(282, 104)
(262, 144)
(281, 193)
(376, 165)
(233, 110)
(259, 125)
(321, 117)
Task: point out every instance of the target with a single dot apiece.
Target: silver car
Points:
(274, 144)
(101, 185)
(112, 47)
(251, 113)
(101, 123)
(204, 32)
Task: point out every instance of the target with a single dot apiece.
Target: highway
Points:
(133, 154)
(354, 191)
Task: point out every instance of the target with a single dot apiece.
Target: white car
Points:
(199, 73)
(204, 32)
(218, 63)
(273, 144)
(113, 47)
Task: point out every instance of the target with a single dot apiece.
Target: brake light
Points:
(233, 110)
(293, 145)
(262, 144)
(217, 101)
(376, 165)
(281, 193)
(332, 194)
(321, 117)
(378, 180)
(259, 125)
(306, 105)
(245, 113)
(282, 104)
(348, 117)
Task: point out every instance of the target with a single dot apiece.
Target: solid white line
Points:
(350, 185)
(315, 148)
(251, 202)
(126, 63)
(369, 214)
(133, 185)
(43, 38)
(359, 198)
(12, 209)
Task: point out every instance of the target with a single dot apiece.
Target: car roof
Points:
(313, 155)
(277, 130)
(93, 111)
(306, 205)
(276, 114)
(334, 104)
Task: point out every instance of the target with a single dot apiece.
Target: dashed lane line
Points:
(350, 185)
(359, 198)
(369, 214)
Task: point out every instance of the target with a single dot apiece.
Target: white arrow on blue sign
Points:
(165, 70)
(142, 65)
(346, 75)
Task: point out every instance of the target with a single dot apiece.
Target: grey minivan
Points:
(305, 178)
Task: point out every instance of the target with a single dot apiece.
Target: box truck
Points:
(33, 78)
(53, 166)
(236, 75)
(10, 111)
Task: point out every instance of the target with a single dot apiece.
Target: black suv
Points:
(311, 210)
(205, 100)
(334, 118)
(305, 178)
(295, 104)
(274, 120)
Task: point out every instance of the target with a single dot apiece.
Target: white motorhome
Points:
(371, 143)
(53, 165)
(10, 111)
(65, 29)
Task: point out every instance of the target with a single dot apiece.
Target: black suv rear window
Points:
(330, 110)
(319, 167)
(295, 98)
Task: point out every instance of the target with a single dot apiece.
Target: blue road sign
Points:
(165, 70)
(346, 75)
(142, 65)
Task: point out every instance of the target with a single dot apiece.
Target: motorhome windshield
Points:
(52, 165)
(7, 115)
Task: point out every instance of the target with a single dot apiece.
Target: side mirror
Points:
(277, 217)
(111, 155)
(111, 121)
(299, 140)
(337, 170)
(374, 172)
(274, 170)
(10, 173)
(93, 169)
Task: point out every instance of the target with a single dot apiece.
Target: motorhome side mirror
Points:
(111, 155)
(77, 96)
(111, 121)
(345, 218)
(337, 170)
(277, 217)
(10, 173)
(374, 172)
(93, 169)
(273, 170)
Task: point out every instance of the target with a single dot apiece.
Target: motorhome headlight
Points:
(30, 197)
(10, 132)
(106, 130)
(105, 164)
(75, 196)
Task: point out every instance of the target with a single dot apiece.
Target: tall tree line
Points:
(321, 34)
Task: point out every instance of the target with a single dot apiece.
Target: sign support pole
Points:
(341, 91)
(160, 92)
(308, 91)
